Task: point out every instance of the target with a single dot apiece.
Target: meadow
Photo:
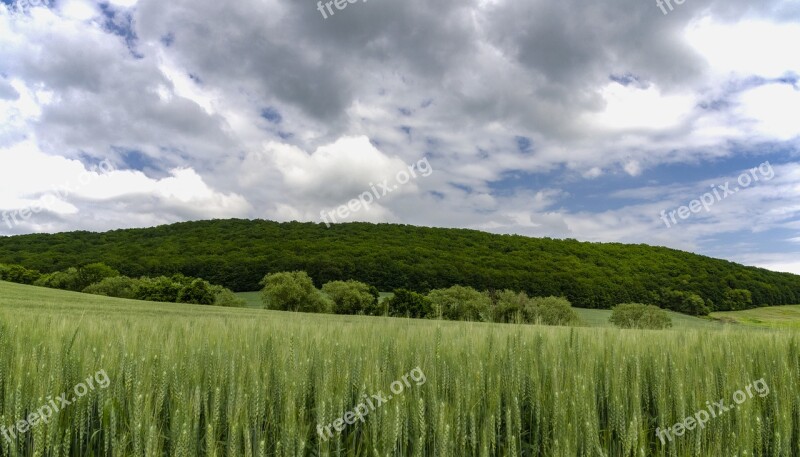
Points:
(769, 317)
(191, 380)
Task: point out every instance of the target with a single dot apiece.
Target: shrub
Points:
(197, 292)
(682, 302)
(77, 279)
(637, 315)
(737, 299)
(293, 291)
(406, 303)
(18, 274)
(65, 280)
(94, 273)
(553, 311)
(118, 286)
(509, 307)
(460, 303)
(161, 289)
(351, 297)
(225, 297)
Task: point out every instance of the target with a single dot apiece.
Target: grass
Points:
(190, 380)
(253, 299)
(771, 317)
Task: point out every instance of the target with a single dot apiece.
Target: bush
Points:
(509, 307)
(161, 289)
(682, 302)
(293, 291)
(77, 279)
(406, 303)
(737, 299)
(94, 273)
(460, 303)
(553, 311)
(351, 297)
(197, 292)
(637, 315)
(225, 297)
(18, 274)
(118, 286)
(64, 280)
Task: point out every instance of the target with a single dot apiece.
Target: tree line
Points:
(100, 279)
(295, 291)
(237, 253)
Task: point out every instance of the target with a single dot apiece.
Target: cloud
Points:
(561, 119)
(61, 190)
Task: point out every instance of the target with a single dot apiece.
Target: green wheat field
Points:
(190, 380)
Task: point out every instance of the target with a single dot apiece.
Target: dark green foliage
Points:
(93, 273)
(736, 299)
(509, 307)
(18, 274)
(682, 302)
(460, 303)
(100, 279)
(637, 315)
(351, 297)
(183, 289)
(77, 279)
(406, 303)
(293, 291)
(64, 280)
(118, 286)
(161, 289)
(238, 253)
(197, 292)
(554, 311)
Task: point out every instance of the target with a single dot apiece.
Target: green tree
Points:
(93, 273)
(293, 291)
(682, 302)
(637, 315)
(509, 306)
(64, 280)
(197, 292)
(118, 286)
(554, 311)
(736, 299)
(18, 274)
(161, 289)
(406, 303)
(350, 297)
(459, 303)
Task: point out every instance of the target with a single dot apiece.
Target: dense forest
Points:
(238, 253)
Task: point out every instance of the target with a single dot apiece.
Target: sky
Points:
(596, 121)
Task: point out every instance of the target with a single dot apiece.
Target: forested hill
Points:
(238, 253)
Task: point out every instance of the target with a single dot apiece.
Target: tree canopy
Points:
(238, 253)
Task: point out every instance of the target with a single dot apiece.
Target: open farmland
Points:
(191, 380)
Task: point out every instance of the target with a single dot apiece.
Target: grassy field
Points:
(202, 381)
(253, 299)
(771, 317)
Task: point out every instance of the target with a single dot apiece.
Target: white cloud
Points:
(747, 47)
(32, 179)
(775, 110)
(631, 107)
(361, 98)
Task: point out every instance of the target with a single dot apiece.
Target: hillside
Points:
(238, 253)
